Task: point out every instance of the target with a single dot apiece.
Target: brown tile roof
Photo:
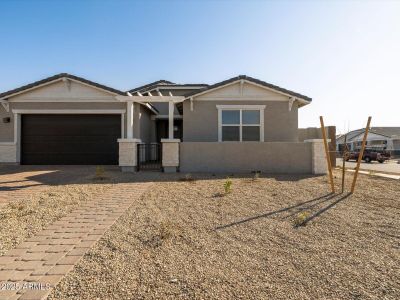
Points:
(160, 83)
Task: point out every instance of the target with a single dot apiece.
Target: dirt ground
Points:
(190, 240)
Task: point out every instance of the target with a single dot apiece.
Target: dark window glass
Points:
(230, 117)
(251, 133)
(251, 117)
(230, 133)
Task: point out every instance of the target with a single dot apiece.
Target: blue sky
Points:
(343, 54)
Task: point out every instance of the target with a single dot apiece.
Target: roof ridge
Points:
(145, 86)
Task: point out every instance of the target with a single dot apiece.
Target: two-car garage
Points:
(70, 139)
(66, 120)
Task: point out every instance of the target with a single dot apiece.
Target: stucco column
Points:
(318, 159)
(171, 108)
(129, 119)
(170, 155)
(128, 154)
(8, 153)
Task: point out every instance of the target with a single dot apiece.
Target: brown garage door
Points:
(70, 139)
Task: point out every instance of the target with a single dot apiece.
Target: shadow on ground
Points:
(11, 175)
(297, 209)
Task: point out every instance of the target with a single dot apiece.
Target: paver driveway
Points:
(18, 181)
(31, 269)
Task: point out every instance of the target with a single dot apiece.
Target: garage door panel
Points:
(69, 147)
(58, 139)
(55, 159)
(72, 125)
(70, 139)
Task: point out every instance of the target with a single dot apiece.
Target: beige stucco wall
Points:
(250, 91)
(201, 124)
(170, 153)
(278, 157)
(8, 153)
(318, 159)
(147, 126)
(127, 153)
(6, 129)
(61, 90)
(316, 133)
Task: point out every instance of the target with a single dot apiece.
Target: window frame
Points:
(241, 108)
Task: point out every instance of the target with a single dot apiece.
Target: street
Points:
(391, 166)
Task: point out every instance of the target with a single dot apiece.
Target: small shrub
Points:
(188, 177)
(228, 186)
(17, 205)
(301, 218)
(166, 230)
(256, 175)
(100, 173)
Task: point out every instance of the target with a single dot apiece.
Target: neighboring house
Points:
(241, 124)
(387, 138)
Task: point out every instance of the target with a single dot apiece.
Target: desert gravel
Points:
(22, 218)
(187, 240)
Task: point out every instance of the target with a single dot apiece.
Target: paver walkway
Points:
(35, 266)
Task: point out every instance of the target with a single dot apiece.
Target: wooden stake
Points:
(328, 159)
(360, 155)
(344, 162)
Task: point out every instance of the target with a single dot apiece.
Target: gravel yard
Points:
(22, 217)
(188, 240)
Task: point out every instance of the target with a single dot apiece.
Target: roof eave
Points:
(55, 78)
(302, 99)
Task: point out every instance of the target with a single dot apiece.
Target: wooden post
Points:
(360, 155)
(328, 159)
(344, 162)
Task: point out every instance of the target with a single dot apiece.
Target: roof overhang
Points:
(59, 77)
(303, 100)
(150, 99)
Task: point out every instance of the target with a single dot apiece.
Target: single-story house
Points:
(238, 125)
(387, 138)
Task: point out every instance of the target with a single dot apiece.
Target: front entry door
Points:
(162, 129)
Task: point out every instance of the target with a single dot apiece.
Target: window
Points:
(240, 123)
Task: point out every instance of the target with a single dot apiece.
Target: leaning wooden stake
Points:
(328, 159)
(344, 162)
(360, 155)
